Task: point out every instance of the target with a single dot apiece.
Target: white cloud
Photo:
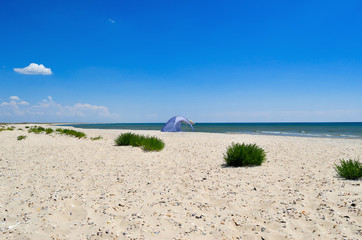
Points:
(15, 101)
(34, 69)
(49, 110)
(111, 20)
(14, 98)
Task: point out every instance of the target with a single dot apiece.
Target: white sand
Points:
(59, 187)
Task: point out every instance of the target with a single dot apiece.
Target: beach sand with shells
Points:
(60, 187)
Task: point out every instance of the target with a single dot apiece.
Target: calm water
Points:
(334, 130)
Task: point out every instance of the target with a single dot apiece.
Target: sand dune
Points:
(59, 187)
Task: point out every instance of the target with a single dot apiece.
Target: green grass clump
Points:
(71, 132)
(49, 130)
(135, 140)
(349, 169)
(244, 155)
(152, 144)
(27, 127)
(125, 139)
(96, 138)
(7, 129)
(36, 130)
(21, 137)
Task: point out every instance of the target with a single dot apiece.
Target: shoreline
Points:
(324, 130)
(68, 188)
(274, 132)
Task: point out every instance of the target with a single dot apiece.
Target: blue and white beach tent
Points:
(174, 124)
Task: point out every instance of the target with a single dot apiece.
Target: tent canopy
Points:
(174, 124)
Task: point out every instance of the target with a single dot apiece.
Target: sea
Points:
(299, 129)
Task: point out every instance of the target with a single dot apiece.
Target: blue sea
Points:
(327, 129)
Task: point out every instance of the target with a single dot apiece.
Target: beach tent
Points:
(174, 124)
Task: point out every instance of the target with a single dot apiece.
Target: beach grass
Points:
(21, 137)
(96, 138)
(238, 155)
(36, 130)
(49, 130)
(152, 144)
(6, 129)
(126, 139)
(349, 169)
(145, 142)
(71, 132)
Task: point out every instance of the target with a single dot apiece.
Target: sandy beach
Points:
(60, 187)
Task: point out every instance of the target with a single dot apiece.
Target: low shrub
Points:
(244, 155)
(49, 130)
(71, 132)
(125, 139)
(27, 127)
(349, 169)
(21, 137)
(96, 138)
(135, 140)
(152, 144)
(36, 130)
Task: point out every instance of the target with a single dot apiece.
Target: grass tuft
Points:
(244, 155)
(71, 132)
(135, 140)
(64, 131)
(7, 129)
(21, 137)
(36, 130)
(125, 139)
(349, 169)
(49, 130)
(152, 144)
(96, 138)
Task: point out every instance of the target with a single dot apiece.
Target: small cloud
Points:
(15, 102)
(23, 103)
(111, 20)
(34, 69)
(14, 98)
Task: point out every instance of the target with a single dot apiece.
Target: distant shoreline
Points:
(307, 129)
(347, 130)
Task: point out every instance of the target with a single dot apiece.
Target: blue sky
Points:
(210, 61)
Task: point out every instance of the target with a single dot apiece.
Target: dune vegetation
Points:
(145, 142)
